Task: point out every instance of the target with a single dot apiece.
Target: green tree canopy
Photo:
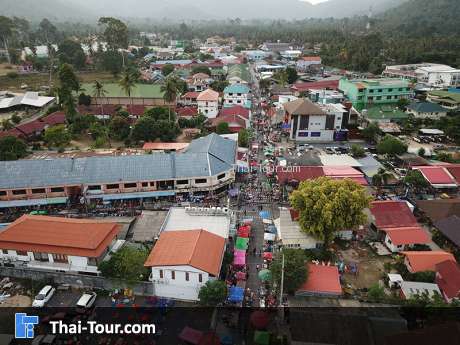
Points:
(415, 179)
(292, 75)
(119, 128)
(244, 136)
(391, 145)
(213, 293)
(12, 148)
(127, 264)
(115, 33)
(376, 293)
(110, 61)
(72, 53)
(56, 136)
(223, 128)
(357, 151)
(295, 269)
(167, 69)
(201, 69)
(327, 206)
(370, 132)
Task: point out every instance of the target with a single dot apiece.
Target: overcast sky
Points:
(315, 1)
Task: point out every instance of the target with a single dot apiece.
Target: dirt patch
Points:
(20, 301)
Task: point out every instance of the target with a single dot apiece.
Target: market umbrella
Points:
(241, 243)
(259, 319)
(268, 256)
(264, 275)
(262, 338)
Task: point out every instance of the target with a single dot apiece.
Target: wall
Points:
(391, 246)
(209, 106)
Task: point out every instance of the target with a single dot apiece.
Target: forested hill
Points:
(422, 17)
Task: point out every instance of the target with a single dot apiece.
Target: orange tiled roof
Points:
(56, 235)
(200, 249)
(208, 95)
(408, 235)
(427, 260)
(322, 280)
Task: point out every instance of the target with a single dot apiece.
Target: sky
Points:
(314, 2)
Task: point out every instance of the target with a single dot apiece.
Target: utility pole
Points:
(282, 280)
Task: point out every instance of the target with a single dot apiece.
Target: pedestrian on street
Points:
(254, 251)
(257, 267)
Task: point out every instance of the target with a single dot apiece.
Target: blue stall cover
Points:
(264, 214)
(271, 229)
(236, 294)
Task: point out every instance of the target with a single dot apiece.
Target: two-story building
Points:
(208, 103)
(205, 166)
(236, 94)
(199, 82)
(367, 92)
(312, 122)
(183, 261)
(58, 244)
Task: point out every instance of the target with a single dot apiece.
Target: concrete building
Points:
(183, 261)
(59, 244)
(374, 91)
(208, 103)
(426, 110)
(311, 122)
(448, 100)
(206, 166)
(305, 62)
(236, 94)
(199, 82)
(412, 289)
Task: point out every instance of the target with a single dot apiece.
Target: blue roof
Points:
(236, 294)
(426, 107)
(207, 156)
(237, 88)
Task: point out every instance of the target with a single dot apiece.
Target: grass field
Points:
(37, 80)
(6, 68)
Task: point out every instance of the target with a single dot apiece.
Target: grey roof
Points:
(426, 107)
(207, 156)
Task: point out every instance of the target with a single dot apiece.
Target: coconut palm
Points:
(99, 92)
(128, 83)
(170, 91)
(380, 179)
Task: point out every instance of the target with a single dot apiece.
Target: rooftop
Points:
(79, 237)
(427, 260)
(439, 209)
(410, 289)
(322, 280)
(426, 107)
(449, 278)
(392, 214)
(165, 146)
(384, 112)
(303, 106)
(237, 88)
(408, 235)
(197, 248)
(437, 176)
(208, 95)
(450, 227)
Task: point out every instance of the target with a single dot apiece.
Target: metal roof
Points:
(206, 156)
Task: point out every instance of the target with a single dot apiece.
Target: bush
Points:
(12, 75)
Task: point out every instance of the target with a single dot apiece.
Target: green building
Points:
(363, 93)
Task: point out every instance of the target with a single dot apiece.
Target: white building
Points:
(412, 289)
(59, 244)
(236, 94)
(305, 62)
(313, 122)
(426, 110)
(430, 74)
(183, 261)
(291, 54)
(208, 103)
(401, 238)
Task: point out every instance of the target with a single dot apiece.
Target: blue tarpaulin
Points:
(264, 214)
(236, 294)
(271, 229)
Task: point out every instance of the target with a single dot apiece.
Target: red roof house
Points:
(56, 118)
(438, 176)
(236, 110)
(187, 112)
(322, 280)
(448, 279)
(392, 214)
(397, 239)
(426, 260)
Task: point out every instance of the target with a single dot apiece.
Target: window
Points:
(152, 184)
(113, 186)
(316, 134)
(201, 180)
(5, 251)
(21, 252)
(38, 191)
(57, 189)
(379, 98)
(130, 185)
(187, 276)
(400, 89)
(94, 187)
(2, 192)
(390, 90)
(41, 256)
(145, 184)
(182, 181)
(380, 90)
(221, 176)
(19, 192)
(173, 275)
(200, 278)
(370, 98)
(239, 94)
(161, 274)
(371, 91)
(60, 258)
(388, 97)
(238, 101)
(230, 94)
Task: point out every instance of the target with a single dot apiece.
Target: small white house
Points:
(183, 261)
(208, 103)
(411, 289)
(400, 239)
(236, 94)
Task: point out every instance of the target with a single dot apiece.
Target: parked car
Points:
(87, 300)
(43, 296)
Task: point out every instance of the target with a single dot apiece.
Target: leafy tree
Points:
(12, 148)
(243, 138)
(119, 128)
(219, 85)
(115, 33)
(391, 145)
(327, 206)
(72, 53)
(6, 31)
(170, 91)
(376, 293)
(69, 84)
(213, 293)
(403, 103)
(56, 136)
(370, 132)
(223, 128)
(99, 92)
(147, 128)
(97, 130)
(110, 61)
(381, 179)
(7, 124)
(421, 152)
(281, 78)
(16, 119)
(357, 151)
(167, 69)
(84, 99)
(292, 75)
(295, 269)
(127, 264)
(128, 83)
(415, 179)
(201, 69)
(48, 31)
(264, 85)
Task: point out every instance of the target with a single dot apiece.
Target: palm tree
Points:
(99, 92)
(170, 90)
(380, 179)
(127, 83)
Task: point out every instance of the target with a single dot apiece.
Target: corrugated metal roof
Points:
(206, 156)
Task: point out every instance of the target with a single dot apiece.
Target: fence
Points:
(75, 280)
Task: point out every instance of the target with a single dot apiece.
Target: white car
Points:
(43, 296)
(87, 300)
